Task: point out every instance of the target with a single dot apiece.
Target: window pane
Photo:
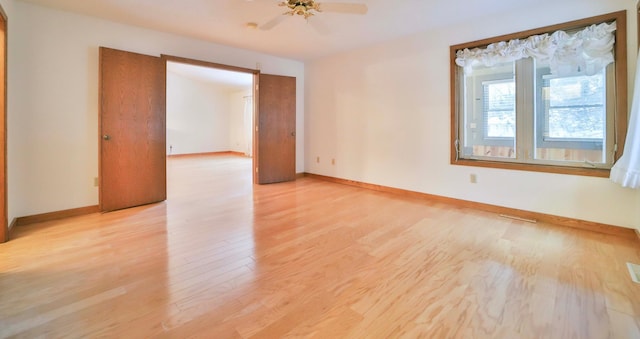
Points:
(577, 123)
(571, 116)
(500, 111)
(576, 107)
(490, 114)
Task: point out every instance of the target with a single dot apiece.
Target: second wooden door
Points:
(276, 134)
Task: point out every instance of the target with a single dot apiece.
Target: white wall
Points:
(198, 115)
(383, 113)
(53, 99)
(237, 138)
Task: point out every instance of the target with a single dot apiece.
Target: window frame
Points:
(620, 70)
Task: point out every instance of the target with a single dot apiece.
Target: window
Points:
(519, 104)
(499, 108)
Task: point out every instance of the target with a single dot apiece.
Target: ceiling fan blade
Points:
(273, 22)
(318, 25)
(341, 7)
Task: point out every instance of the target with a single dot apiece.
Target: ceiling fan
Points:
(309, 8)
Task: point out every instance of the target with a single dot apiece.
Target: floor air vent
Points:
(634, 270)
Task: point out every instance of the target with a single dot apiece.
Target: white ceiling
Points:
(223, 21)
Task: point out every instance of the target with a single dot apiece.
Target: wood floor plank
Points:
(310, 259)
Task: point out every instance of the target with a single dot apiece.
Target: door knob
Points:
(293, 134)
(106, 137)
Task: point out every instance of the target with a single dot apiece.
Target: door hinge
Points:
(256, 169)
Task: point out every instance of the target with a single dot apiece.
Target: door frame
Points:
(4, 36)
(256, 96)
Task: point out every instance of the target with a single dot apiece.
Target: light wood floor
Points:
(223, 258)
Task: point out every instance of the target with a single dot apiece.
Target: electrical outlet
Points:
(95, 182)
(473, 178)
(333, 161)
(318, 159)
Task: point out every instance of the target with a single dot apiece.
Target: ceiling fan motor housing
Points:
(308, 8)
(301, 7)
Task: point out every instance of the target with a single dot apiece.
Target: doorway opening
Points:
(209, 110)
(133, 142)
(210, 120)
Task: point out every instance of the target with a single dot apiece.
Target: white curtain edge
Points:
(626, 171)
(625, 177)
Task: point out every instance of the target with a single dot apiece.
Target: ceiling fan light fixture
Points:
(309, 8)
(303, 8)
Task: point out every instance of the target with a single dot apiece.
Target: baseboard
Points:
(186, 155)
(547, 218)
(12, 226)
(238, 153)
(74, 212)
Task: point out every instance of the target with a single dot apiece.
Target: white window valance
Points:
(587, 51)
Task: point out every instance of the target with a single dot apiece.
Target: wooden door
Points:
(132, 129)
(276, 133)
